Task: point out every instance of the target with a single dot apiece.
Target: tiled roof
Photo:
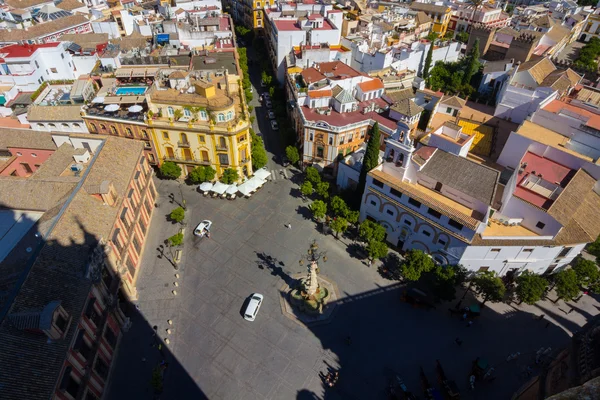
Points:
(429, 8)
(397, 95)
(544, 22)
(453, 101)
(87, 40)
(422, 18)
(342, 95)
(25, 3)
(70, 5)
(539, 69)
(333, 70)
(58, 274)
(407, 107)
(318, 94)
(558, 32)
(507, 30)
(41, 30)
(413, 191)
(369, 86)
(54, 113)
(26, 138)
(462, 174)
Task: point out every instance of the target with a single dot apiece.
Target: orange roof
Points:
(555, 106)
(369, 86)
(317, 94)
(7, 122)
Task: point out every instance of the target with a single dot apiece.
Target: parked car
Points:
(203, 228)
(271, 114)
(274, 125)
(285, 161)
(266, 96)
(253, 306)
(268, 104)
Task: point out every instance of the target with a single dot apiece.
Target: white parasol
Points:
(111, 107)
(262, 174)
(135, 109)
(98, 100)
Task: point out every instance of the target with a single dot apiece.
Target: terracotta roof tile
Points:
(369, 86)
(539, 69)
(54, 113)
(44, 29)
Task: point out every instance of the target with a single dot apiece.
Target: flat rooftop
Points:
(548, 137)
(495, 229)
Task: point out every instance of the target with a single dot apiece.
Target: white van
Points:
(253, 307)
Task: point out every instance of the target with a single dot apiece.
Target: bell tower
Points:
(398, 152)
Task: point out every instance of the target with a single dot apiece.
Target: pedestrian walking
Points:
(458, 341)
(541, 317)
(369, 263)
(288, 225)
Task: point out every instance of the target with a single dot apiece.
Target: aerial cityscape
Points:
(299, 199)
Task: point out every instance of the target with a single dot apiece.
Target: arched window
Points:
(187, 113)
(170, 111)
(93, 128)
(222, 143)
(400, 161)
(145, 134)
(205, 157)
(221, 117)
(52, 126)
(113, 130)
(129, 133)
(203, 115)
(229, 115)
(183, 138)
(65, 125)
(103, 127)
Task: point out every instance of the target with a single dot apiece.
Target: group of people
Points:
(332, 378)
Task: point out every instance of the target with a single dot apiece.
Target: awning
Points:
(262, 174)
(232, 189)
(205, 187)
(123, 73)
(219, 188)
(244, 189)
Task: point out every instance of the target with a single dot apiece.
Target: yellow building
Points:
(439, 14)
(198, 121)
(257, 10)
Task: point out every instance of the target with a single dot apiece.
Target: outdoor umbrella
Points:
(232, 189)
(262, 174)
(111, 107)
(135, 109)
(206, 186)
(98, 100)
(219, 188)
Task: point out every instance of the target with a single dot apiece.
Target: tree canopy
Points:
(371, 157)
(259, 154)
(339, 225)
(319, 209)
(472, 63)
(428, 59)
(312, 175)
(177, 214)
(490, 286)
(322, 189)
(306, 189)
(586, 271)
(415, 263)
(530, 287)
(170, 170)
(588, 55)
(370, 230)
(176, 240)
(376, 249)
(291, 152)
(567, 284)
(338, 206)
(202, 174)
(230, 175)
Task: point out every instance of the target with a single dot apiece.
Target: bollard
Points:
(168, 331)
(174, 292)
(167, 341)
(176, 276)
(169, 322)
(176, 284)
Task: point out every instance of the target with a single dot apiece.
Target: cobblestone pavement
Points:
(219, 355)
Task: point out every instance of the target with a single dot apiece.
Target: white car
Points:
(271, 114)
(203, 228)
(268, 104)
(253, 306)
(274, 125)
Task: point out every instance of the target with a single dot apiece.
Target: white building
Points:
(531, 84)
(28, 66)
(284, 33)
(56, 119)
(437, 200)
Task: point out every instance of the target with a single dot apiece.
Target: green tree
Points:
(177, 215)
(176, 240)
(369, 231)
(567, 285)
(352, 216)
(415, 263)
(306, 189)
(322, 189)
(157, 380)
(370, 159)
(376, 249)
(259, 155)
(312, 175)
(462, 37)
(594, 247)
(170, 170)
(472, 63)
(530, 287)
(586, 271)
(230, 175)
(319, 209)
(490, 286)
(339, 225)
(291, 152)
(338, 206)
(202, 174)
(445, 281)
(428, 61)
(266, 78)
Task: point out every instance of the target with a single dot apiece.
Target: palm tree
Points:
(476, 4)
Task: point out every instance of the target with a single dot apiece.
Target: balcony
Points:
(221, 148)
(188, 160)
(183, 144)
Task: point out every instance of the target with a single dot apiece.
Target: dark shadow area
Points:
(273, 265)
(356, 250)
(295, 193)
(70, 283)
(304, 212)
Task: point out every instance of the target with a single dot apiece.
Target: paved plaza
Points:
(214, 353)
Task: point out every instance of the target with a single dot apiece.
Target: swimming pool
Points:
(131, 90)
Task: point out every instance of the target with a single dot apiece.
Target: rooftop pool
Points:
(131, 90)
